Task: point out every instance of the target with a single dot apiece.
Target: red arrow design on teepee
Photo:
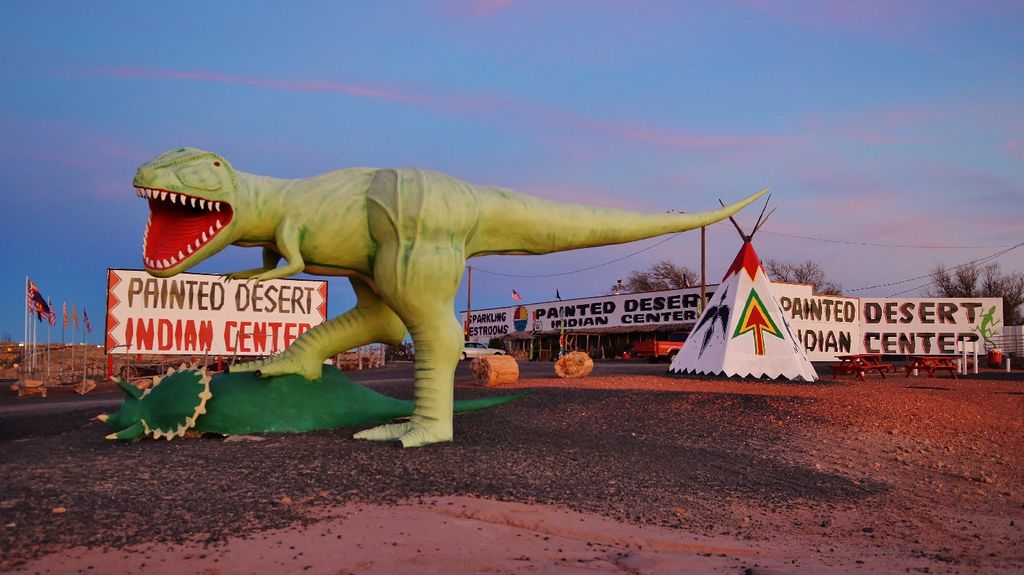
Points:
(757, 319)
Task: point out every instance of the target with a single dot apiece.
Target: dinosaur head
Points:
(168, 409)
(190, 194)
(129, 413)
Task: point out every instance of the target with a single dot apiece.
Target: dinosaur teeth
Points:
(163, 195)
(193, 202)
(181, 255)
(190, 250)
(219, 225)
(216, 206)
(202, 204)
(205, 237)
(212, 232)
(198, 243)
(173, 196)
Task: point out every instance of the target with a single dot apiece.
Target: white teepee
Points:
(742, 331)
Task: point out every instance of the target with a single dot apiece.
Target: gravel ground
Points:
(925, 471)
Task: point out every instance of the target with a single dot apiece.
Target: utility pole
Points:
(703, 268)
(469, 301)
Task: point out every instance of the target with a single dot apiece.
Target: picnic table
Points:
(931, 364)
(860, 364)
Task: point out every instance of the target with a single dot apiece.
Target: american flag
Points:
(85, 319)
(51, 316)
(516, 296)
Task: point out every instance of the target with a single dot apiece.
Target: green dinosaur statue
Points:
(402, 236)
(242, 403)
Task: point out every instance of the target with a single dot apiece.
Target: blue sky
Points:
(894, 124)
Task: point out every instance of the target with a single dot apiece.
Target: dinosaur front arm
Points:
(270, 259)
(288, 245)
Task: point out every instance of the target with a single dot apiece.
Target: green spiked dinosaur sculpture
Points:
(242, 403)
(402, 236)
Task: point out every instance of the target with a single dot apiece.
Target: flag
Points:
(74, 316)
(65, 315)
(516, 296)
(51, 316)
(37, 303)
(85, 320)
(558, 296)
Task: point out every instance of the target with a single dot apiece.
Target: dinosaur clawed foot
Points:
(283, 364)
(410, 434)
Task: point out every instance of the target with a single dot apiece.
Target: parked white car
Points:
(472, 349)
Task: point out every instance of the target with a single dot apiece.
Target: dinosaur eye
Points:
(216, 164)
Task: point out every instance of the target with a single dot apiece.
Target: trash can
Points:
(995, 358)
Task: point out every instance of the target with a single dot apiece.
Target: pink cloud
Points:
(890, 126)
(498, 108)
(374, 93)
(485, 7)
(472, 8)
(681, 140)
(982, 187)
(905, 22)
(1015, 148)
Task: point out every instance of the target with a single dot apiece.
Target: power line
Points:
(985, 259)
(881, 245)
(641, 251)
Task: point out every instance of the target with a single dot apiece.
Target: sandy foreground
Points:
(445, 535)
(644, 474)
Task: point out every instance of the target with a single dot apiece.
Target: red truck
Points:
(660, 350)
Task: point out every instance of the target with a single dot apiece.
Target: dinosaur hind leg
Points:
(425, 304)
(437, 351)
(370, 321)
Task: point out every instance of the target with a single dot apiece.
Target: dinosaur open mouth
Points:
(179, 225)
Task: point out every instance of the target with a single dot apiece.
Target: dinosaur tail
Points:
(467, 405)
(512, 223)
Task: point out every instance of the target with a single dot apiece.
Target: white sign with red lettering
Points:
(200, 314)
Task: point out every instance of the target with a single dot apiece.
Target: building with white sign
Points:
(826, 326)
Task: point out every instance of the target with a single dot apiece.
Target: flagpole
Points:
(24, 335)
(48, 344)
(35, 347)
(85, 348)
(74, 336)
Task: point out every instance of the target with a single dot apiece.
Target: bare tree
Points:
(660, 276)
(987, 281)
(807, 272)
